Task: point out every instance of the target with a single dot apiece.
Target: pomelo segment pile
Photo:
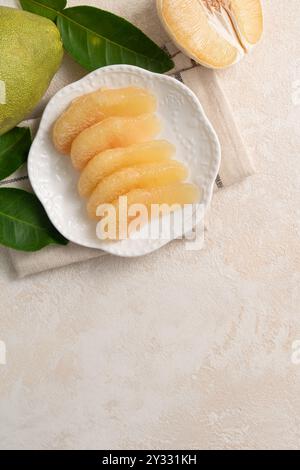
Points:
(109, 137)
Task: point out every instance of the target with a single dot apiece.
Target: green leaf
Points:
(24, 224)
(47, 8)
(96, 38)
(14, 148)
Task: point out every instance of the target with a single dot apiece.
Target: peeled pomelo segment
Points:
(215, 33)
(112, 160)
(91, 108)
(170, 196)
(140, 176)
(178, 193)
(112, 133)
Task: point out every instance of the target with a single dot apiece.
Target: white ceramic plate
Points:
(184, 124)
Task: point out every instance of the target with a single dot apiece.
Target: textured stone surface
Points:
(178, 349)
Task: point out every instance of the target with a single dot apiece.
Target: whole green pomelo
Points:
(30, 54)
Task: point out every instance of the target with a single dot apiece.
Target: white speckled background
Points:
(178, 349)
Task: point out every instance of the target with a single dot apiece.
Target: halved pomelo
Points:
(140, 176)
(112, 160)
(93, 107)
(215, 33)
(111, 133)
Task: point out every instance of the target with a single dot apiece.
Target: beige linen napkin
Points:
(236, 163)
